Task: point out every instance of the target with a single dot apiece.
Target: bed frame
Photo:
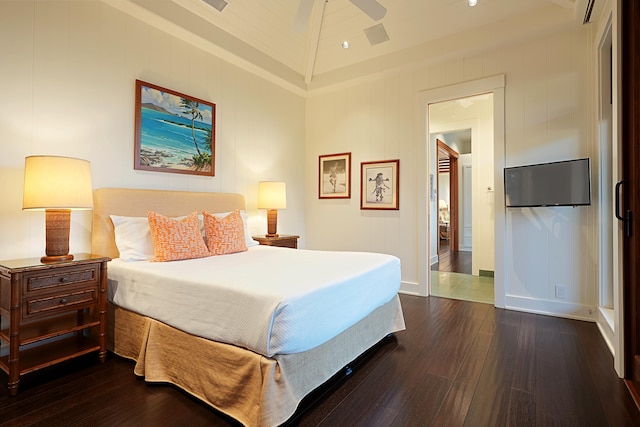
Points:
(251, 388)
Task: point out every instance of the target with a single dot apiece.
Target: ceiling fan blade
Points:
(302, 16)
(375, 10)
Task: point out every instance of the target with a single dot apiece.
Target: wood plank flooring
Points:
(458, 363)
(452, 261)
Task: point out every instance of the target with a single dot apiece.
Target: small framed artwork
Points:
(379, 185)
(334, 176)
(174, 132)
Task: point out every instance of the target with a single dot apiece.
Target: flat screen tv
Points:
(566, 183)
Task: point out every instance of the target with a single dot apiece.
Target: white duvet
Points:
(270, 300)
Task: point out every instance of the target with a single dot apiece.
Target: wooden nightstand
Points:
(45, 301)
(283, 240)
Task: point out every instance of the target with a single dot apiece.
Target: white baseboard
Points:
(551, 308)
(605, 325)
(409, 288)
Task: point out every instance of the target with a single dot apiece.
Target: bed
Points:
(260, 378)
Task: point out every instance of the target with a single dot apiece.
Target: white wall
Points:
(467, 215)
(374, 122)
(548, 104)
(67, 82)
(552, 121)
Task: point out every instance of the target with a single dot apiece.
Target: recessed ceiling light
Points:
(345, 44)
(472, 2)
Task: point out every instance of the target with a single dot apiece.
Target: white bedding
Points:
(268, 299)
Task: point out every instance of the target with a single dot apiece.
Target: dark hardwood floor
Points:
(452, 261)
(458, 363)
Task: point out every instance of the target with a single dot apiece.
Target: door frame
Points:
(443, 148)
(495, 85)
(630, 156)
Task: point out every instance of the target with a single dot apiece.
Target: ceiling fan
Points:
(372, 8)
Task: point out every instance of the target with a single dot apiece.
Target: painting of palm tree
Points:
(174, 132)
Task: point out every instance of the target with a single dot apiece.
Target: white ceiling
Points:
(259, 34)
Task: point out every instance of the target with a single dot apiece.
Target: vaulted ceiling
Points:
(261, 35)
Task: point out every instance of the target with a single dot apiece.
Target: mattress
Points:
(269, 300)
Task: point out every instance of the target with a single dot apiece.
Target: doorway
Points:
(606, 172)
(450, 192)
(462, 138)
(494, 85)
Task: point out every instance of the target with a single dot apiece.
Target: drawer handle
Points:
(63, 279)
(63, 301)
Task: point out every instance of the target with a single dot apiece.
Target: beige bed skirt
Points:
(253, 389)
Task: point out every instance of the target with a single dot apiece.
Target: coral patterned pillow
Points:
(176, 239)
(224, 235)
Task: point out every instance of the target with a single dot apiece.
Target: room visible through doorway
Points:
(462, 192)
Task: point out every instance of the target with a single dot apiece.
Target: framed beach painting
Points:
(379, 185)
(334, 176)
(174, 132)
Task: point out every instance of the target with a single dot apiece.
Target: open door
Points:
(628, 190)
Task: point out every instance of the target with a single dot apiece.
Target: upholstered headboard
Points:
(133, 202)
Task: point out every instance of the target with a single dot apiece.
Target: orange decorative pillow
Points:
(176, 239)
(224, 235)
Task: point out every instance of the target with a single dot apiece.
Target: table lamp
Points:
(57, 185)
(272, 196)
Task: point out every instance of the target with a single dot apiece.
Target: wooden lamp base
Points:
(272, 222)
(57, 238)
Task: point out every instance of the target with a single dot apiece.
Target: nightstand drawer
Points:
(60, 301)
(44, 281)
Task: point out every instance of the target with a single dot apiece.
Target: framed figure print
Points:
(379, 185)
(334, 176)
(174, 132)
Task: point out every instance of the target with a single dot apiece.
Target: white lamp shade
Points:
(272, 195)
(52, 182)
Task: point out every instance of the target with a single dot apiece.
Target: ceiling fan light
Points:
(472, 2)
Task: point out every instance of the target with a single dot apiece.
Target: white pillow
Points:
(133, 237)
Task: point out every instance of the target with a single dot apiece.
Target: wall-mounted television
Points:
(566, 183)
